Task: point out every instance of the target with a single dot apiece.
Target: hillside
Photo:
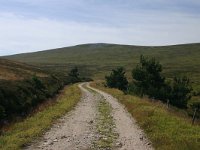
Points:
(22, 88)
(12, 70)
(98, 59)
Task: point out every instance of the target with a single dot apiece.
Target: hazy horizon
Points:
(97, 43)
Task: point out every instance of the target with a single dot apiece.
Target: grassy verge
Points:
(166, 130)
(105, 127)
(24, 132)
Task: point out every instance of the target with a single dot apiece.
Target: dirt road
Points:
(97, 122)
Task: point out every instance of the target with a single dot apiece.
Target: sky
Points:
(33, 25)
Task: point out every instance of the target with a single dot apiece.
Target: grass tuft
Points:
(105, 126)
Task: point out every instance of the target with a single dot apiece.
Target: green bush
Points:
(148, 79)
(181, 92)
(74, 76)
(117, 79)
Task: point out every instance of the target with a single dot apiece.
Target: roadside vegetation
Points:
(165, 127)
(105, 127)
(148, 80)
(74, 76)
(117, 79)
(19, 98)
(19, 134)
(20, 95)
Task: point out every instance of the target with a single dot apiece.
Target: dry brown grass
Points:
(11, 70)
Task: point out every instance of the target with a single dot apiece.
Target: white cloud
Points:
(19, 34)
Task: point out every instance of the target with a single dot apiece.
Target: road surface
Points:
(83, 127)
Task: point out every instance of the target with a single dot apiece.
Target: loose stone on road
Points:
(131, 137)
(83, 128)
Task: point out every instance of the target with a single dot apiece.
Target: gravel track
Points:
(77, 129)
(131, 137)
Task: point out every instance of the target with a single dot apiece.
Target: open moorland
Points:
(97, 60)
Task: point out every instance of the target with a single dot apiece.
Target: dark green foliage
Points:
(149, 81)
(148, 78)
(181, 92)
(2, 112)
(18, 98)
(74, 76)
(74, 73)
(37, 83)
(117, 79)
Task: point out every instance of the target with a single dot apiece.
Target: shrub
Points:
(117, 79)
(148, 79)
(181, 92)
(74, 76)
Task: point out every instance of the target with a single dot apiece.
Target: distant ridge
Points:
(97, 45)
(98, 59)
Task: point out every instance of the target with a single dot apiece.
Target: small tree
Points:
(73, 75)
(181, 92)
(148, 78)
(117, 79)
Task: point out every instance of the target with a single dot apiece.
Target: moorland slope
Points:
(97, 60)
